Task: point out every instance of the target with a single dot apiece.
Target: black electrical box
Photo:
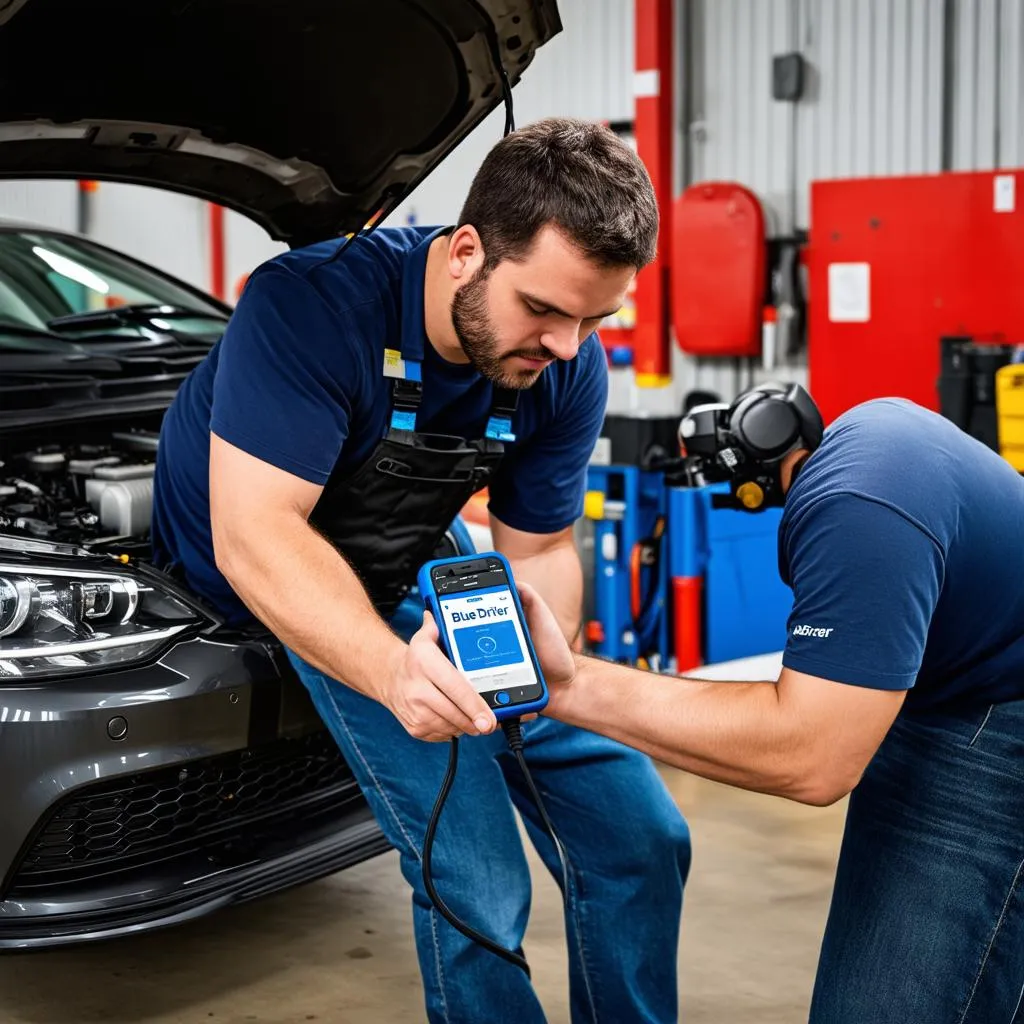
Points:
(788, 77)
(967, 385)
(637, 440)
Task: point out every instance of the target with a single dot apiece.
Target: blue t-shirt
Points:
(297, 382)
(903, 541)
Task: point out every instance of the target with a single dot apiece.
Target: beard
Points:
(475, 331)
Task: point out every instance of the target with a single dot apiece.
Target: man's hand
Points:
(428, 694)
(556, 659)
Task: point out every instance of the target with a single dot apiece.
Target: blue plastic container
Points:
(746, 605)
(633, 502)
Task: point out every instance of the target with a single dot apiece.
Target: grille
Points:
(231, 800)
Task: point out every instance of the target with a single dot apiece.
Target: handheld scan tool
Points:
(483, 630)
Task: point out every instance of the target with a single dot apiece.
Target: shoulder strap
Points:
(406, 389)
(503, 405)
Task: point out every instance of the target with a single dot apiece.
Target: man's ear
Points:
(465, 253)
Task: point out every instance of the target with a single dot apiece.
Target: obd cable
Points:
(514, 735)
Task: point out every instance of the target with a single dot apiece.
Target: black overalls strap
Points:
(390, 515)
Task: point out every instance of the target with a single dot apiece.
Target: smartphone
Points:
(483, 630)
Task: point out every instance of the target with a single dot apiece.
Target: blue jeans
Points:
(927, 916)
(627, 843)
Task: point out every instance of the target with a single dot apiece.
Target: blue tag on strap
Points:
(401, 420)
(499, 428)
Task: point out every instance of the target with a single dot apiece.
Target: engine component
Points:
(124, 506)
(80, 494)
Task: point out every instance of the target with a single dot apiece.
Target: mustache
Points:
(524, 353)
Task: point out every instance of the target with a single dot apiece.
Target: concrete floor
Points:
(341, 951)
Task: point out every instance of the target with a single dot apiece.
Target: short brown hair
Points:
(577, 175)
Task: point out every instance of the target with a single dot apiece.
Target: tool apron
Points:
(389, 515)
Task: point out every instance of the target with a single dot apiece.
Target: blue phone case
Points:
(426, 589)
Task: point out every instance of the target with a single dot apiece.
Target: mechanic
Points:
(902, 685)
(309, 467)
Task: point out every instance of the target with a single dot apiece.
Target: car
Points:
(157, 764)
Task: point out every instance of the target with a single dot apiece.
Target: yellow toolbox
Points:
(1010, 413)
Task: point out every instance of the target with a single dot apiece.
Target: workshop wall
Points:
(988, 93)
(878, 98)
(892, 87)
(52, 203)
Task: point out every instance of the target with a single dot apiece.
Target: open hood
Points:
(306, 115)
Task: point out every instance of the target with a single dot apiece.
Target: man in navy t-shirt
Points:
(903, 681)
(360, 395)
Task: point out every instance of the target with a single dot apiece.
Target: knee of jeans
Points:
(481, 887)
(666, 842)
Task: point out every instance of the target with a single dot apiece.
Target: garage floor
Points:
(340, 950)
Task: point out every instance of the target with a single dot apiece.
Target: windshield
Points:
(45, 276)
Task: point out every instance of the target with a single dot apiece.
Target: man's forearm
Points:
(301, 588)
(737, 733)
(556, 574)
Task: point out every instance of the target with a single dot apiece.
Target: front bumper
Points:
(142, 798)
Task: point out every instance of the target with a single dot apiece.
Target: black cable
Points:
(385, 210)
(506, 90)
(428, 881)
(495, 46)
(514, 734)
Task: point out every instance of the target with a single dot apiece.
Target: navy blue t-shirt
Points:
(297, 382)
(902, 541)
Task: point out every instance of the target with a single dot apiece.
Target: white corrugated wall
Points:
(893, 87)
(872, 102)
(875, 93)
(988, 131)
(53, 203)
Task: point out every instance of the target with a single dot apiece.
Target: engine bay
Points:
(97, 495)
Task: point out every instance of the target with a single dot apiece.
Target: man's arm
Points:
(866, 579)
(550, 564)
(280, 417)
(805, 738)
(301, 588)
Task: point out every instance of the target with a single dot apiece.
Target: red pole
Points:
(217, 258)
(654, 85)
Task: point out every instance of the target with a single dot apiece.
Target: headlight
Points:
(56, 621)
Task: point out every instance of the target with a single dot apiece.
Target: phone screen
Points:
(485, 634)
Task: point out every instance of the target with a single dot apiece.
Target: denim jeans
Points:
(927, 917)
(626, 841)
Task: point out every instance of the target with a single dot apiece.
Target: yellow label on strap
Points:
(394, 364)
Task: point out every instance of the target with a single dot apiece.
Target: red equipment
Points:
(912, 259)
(653, 87)
(718, 270)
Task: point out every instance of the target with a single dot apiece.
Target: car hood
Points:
(308, 116)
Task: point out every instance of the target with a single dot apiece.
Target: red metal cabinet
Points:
(894, 264)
